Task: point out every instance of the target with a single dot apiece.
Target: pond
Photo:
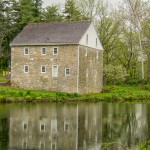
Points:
(83, 126)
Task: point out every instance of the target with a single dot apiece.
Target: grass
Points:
(3, 79)
(122, 93)
(109, 94)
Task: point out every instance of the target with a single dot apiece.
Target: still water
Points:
(73, 126)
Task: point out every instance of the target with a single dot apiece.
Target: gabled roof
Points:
(51, 33)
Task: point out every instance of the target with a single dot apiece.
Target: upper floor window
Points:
(42, 145)
(24, 144)
(26, 69)
(87, 39)
(43, 69)
(96, 42)
(97, 54)
(42, 127)
(43, 51)
(85, 51)
(67, 71)
(26, 51)
(53, 146)
(55, 51)
(25, 126)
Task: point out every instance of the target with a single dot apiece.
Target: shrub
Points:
(28, 97)
(145, 145)
(133, 82)
(20, 93)
(2, 98)
(28, 92)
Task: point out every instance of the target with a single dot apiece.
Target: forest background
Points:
(124, 31)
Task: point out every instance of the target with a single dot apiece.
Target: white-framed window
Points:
(97, 54)
(54, 71)
(67, 71)
(96, 42)
(54, 125)
(53, 146)
(25, 126)
(26, 51)
(26, 69)
(42, 145)
(85, 51)
(55, 50)
(95, 73)
(24, 144)
(43, 69)
(87, 39)
(87, 73)
(42, 127)
(43, 51)
(66, 126)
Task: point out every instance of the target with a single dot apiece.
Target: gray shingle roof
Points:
(52, 33)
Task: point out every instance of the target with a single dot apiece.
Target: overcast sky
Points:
(49, 2)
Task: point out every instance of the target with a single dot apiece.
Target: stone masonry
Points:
(88, 79)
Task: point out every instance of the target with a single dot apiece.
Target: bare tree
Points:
(135, 11)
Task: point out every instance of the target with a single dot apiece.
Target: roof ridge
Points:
(61, 22)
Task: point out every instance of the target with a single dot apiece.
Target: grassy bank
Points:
(3, 79)
(109, 94)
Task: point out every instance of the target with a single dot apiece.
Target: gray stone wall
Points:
(66, 58)
(90, 70)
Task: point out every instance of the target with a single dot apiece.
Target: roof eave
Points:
(41, 44)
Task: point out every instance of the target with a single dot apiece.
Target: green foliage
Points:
(145, 145)
(72, 13)
(51, 14)
(114, 74)
(3, 79)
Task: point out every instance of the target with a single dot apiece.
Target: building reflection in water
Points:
(61, 127)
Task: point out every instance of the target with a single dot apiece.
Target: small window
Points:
(25, 126)
(26, 69)
(87, 73)
(53, 146)
(42, 127)
(67, 71)
(43, 51)
(85, 51)
(87, 39)
(43, 69)
(97, 54)
(55, 51)
(24, 144)
(26, 51)
(66, 127)
(96, 42)
(54, 71)
(42, 145)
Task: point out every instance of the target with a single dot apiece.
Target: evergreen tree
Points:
(29, 11)
(72, 13)
(51, 14)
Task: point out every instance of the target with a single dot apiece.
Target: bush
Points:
(145, 145)
(28, 92)
(2, 99)
(133, 82)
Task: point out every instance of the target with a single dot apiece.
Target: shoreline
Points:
(110, 94)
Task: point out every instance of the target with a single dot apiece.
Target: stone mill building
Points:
(58, 56)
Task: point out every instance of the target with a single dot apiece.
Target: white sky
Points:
(50, 2)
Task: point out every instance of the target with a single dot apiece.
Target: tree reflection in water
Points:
(74, 126)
